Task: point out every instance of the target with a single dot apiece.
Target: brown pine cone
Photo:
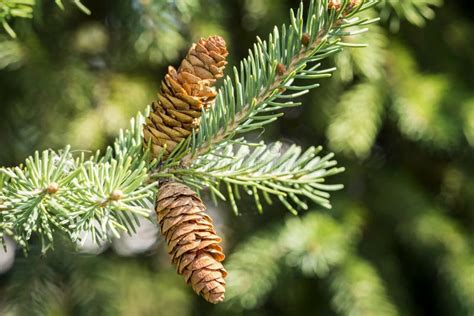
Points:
(192, 241)
(185, 93)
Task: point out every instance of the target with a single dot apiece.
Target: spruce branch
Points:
(55, 192)
(272, 75)
(103, 196)
(265, 170)
(29, 197)
(111, 196)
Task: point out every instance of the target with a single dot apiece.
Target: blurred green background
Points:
(399, 115)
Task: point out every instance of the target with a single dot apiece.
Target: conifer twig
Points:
(102, 197)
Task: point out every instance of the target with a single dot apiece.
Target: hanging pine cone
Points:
(185, 93)
(192, 241)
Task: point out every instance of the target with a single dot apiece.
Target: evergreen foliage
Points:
(414, 11)
(103, 195)
(10, 9)
(398, 239)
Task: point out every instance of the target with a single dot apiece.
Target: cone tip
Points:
(217, 298)
(216, 40)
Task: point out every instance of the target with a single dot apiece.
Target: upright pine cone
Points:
(185, 93)
(192, 240)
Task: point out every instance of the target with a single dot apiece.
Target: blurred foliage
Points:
(414, 11)
(399, 114)
(11, 54)
(143, 23)
(24, 9)
(15, 9)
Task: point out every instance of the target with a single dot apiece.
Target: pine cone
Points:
(185, 93)
(192, 240)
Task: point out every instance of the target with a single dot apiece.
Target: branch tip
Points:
(305, 39)
(52, 188)
(281, 69)
(116, 195)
